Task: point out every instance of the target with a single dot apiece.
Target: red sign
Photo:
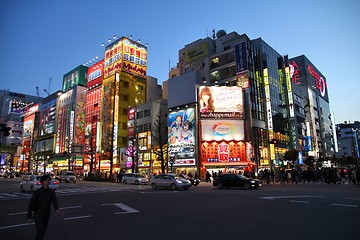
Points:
(95, 74)
(320, 82)
(294, 72)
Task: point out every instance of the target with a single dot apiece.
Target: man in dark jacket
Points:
(40, 203)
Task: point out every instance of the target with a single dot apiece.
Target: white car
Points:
(34, 183)
(134, 178)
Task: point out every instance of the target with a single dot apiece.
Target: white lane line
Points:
(298, 201)
(14, 226)
(343, 205)
(279, 197)
(18, 213)
(79, 217)
(63, 208)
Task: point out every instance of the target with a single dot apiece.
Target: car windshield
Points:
(70, 173)
(138, 176)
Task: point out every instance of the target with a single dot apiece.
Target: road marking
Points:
(279, 197)
(63, 208)
(19, 213)
(124, 207)
(352, 199)
(17, 225)
(343, 205)
(79, 217)
(298, 201)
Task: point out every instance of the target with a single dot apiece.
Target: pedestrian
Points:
(40, 204)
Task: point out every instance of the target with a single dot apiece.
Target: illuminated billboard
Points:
(181, 136)
(47, 117)
(222, 130)
(28, 126)
(241, 57)
(134, 58)
(125, 55)
(221, 102)
(18, 106)
(95, 74)
(78, 76)
(223, 153)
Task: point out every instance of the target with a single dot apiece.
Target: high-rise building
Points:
(124, 86)
(311, 122)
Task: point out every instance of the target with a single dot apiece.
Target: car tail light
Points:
(38, 183)
(56, 182)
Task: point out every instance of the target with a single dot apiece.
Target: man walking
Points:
(40, 203)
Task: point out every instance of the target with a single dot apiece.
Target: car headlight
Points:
(252, 181)
(178, 181)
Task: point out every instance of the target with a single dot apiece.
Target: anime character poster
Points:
(181, 136)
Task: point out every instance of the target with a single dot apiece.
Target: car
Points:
(25, 176)
(67, 176)
(33, 183)
(235, 180)
(134, 178)
(194, 181)
(169, 181)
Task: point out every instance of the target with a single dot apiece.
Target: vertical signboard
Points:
(241, 65)
(113, 58)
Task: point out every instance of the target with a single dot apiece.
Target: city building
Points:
(348, 139)
(311, 119)
(12, 108)
(124, 86)
(70, 124)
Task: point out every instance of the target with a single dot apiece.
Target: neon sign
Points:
(320, 82)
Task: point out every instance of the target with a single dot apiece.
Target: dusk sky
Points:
(48, 38)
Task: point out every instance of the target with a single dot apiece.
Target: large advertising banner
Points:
(221, 102)
(241, 65)
(113, 58)
(29, 122)
(196, 53)
(47, 117)
(134, 58)
(28, 126)
(222, 130)
(106, 116)
(95, 74)
(181, 136)
(80, 123)
(223, 153)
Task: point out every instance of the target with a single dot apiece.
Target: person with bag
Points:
(40, 204)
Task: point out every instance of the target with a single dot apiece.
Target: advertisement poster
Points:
(221, 102)
(181, 136)
(222, 130)
(47, 117)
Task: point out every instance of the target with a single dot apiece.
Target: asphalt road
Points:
(116, 211)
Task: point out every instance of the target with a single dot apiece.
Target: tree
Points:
(292, 156)
(159, 133)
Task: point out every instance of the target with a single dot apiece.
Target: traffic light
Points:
(4, 129)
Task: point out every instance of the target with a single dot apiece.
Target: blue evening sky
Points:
(48, 38)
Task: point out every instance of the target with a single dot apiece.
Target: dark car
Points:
(235, 180)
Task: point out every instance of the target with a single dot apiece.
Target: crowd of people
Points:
(310, 175)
